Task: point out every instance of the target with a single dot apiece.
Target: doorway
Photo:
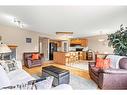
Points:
(44, 47)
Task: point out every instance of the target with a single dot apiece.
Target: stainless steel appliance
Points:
(52, 48)
(79, 49)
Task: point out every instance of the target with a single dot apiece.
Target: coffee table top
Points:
(54, 69)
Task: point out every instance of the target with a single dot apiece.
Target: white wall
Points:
(14, 36)
(101, 47)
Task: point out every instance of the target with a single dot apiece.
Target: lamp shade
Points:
(4, 48)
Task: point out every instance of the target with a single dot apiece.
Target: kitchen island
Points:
(64, 58)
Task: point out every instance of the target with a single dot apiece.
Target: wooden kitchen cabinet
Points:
(81, 42)
(59, 43)
(84, 42)
(64, 58)
(82, 55)
(75, 41)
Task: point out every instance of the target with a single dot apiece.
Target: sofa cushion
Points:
(19, 76)
(4, 80)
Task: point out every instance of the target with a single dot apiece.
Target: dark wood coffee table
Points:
(61, 76)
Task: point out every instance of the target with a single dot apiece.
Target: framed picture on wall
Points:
(28, 40)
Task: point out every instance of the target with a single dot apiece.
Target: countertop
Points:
(69, 51)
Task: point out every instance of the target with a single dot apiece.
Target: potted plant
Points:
(118, 41)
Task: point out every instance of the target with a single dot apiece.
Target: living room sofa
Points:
(20, 76)
(29, 62)
(111, 78)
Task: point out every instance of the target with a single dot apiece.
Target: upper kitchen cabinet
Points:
(80, 41)
(84, 42)
(59, 43)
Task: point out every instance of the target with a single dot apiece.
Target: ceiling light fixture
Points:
(19, 23)
(64, 35)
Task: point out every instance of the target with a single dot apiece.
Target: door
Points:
(44, 47)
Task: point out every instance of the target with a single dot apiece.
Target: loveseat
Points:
(114, 77)
(29, 62)
(21, 77)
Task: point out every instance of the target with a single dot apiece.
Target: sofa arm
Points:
(37, 80)
(113, 80)
(92, 64)
(28, 58)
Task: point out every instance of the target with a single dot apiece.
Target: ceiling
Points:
(82, 20)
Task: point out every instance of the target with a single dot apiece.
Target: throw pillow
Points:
(35, 56)
(4, 80)
(10, 65)
(103, 63)
(106, 63)
(99, 63)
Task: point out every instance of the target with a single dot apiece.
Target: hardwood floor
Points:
(75, 71)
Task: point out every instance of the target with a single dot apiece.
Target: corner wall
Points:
(14, 36)
(101, 47)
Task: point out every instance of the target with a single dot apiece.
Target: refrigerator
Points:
(52, 48)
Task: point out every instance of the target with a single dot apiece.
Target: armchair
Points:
(29, 62)
(111, 78)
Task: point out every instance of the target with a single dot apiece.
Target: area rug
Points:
(83, 65)
(79, 83)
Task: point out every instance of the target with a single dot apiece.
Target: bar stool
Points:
(67, 56)
(71, 58)
(76, 57)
